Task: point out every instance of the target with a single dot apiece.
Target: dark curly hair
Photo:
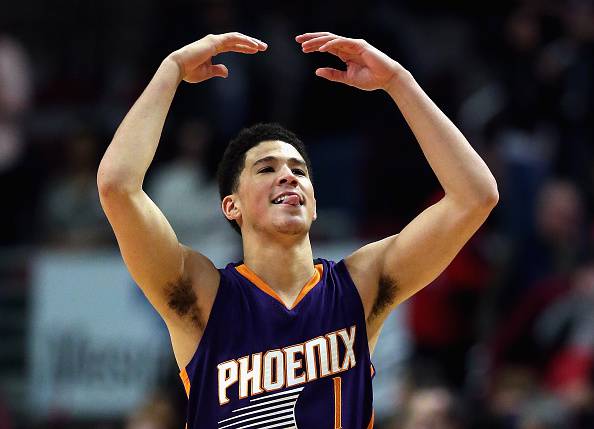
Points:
(233, 161)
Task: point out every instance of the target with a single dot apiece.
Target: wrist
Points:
(172, 67)
(399, 77)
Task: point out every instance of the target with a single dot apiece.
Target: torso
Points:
(320, 344)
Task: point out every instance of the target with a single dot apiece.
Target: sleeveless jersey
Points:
(262, 365)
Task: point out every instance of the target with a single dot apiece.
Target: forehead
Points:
(276, 148)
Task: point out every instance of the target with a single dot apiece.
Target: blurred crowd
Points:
(504, 338)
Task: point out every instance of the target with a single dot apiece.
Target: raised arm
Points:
(172, 276)
(389, 271)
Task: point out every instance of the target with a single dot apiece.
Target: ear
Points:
(315, 213)
(231, 208)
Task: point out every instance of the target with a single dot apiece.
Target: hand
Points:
(195, 60)
(367, 67)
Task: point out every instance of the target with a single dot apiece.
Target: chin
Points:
(294, 227)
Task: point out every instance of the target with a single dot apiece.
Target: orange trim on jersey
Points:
(186, 380)
(370, 425)
(372, 370)
(337, 403)
(263, 286)
(315, 279)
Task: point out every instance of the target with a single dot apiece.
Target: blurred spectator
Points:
(567, 329)
(552, 246)
(544, 413)
(72, 214)
(442, 315)
(432, 408)
(185, 192)
(539, 271)
(512, 388)
(155, 413)
(15, 99)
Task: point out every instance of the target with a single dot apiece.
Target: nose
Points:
(286, 176)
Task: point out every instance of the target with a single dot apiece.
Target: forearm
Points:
(133, 146)
(460, 170)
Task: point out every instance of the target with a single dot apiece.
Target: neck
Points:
(285, 265)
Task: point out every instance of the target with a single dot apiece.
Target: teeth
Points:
(281, 199)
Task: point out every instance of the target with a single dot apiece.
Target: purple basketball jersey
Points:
(262, 365)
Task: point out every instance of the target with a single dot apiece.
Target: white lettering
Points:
(293, 365)
(279, 368)
(253, 376)
(334, 365)
(227, 376)
(274, 360)
(349, 342)
(311, 361)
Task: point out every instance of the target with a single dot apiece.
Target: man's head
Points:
(263, 162)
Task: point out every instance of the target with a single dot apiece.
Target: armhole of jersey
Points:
(341, 266)
(186, 373)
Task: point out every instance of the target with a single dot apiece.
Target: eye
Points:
(298, 172)
(266, 170)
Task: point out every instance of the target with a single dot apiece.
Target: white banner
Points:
(97, 347)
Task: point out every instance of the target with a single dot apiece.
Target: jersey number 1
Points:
(337, 402)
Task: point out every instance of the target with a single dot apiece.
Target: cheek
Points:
(257, 202)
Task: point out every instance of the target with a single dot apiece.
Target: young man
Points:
(256, 347)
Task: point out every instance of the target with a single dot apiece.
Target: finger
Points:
(218, 70)
(313, 44)
(351, 46)
(242, 49)
(332, 74)
(229, 39)
(308, 36)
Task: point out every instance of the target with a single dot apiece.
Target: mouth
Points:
(288, 198)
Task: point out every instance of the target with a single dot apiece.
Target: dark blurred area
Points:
(504, 338)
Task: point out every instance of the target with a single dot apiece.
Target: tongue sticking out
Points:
(292, 200)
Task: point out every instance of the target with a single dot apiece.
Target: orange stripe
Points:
(370, 426)
(186, 380)
(263, 286)
(310, 284)
(372, 370)
(337, 403)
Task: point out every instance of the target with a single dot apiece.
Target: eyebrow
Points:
(266, 159)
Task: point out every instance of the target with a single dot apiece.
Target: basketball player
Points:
(281, 340)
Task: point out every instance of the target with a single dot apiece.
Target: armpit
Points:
(182, 299)
(386, 296)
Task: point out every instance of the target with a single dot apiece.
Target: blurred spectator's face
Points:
(559, 211)
(584, 282)
(579, 19)
(430, 409)
(146, 424)
(522, 31)
(193, 140)
(82, 152)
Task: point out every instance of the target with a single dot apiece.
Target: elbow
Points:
(491, 197)
(483, 199)
(110, 184)
(488, 197)
(492, 193)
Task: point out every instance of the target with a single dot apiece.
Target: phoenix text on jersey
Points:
(275, 369)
